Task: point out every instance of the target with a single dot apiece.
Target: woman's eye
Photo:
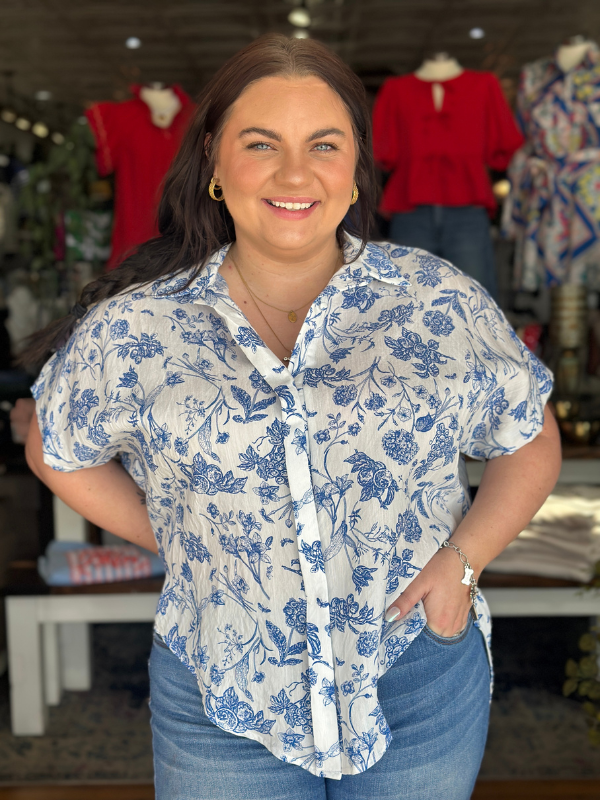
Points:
(259, 146)
(324, 147)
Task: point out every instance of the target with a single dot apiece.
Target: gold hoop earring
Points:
(354, 194)
(211, 190)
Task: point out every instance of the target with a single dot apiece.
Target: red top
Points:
(440, 157)
(139, 153)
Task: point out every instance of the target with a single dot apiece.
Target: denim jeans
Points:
(459, 234)
(435, 699)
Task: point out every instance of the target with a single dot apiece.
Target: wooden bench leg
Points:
(52, 676)
(76, 656)
(27, 703)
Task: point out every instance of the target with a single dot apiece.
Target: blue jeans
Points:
(459, 234)
(435, 699)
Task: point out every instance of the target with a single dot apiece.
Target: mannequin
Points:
(138, 147)
(438, 131)
(440, 67)
(162, 102)
(570, 54)
(554, 198)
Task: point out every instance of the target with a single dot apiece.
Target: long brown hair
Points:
(191, 225)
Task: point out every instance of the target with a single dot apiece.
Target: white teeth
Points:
(290, 206)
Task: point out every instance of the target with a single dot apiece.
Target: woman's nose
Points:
(294, 170)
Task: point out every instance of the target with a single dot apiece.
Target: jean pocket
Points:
(449, 640)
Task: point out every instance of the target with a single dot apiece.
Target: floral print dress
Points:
(292, 506)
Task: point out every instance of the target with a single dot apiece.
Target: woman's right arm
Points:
(105, 495)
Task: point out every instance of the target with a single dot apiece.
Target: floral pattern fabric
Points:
(292, 506)
(555, 200)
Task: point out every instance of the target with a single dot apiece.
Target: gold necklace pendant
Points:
(292, 316)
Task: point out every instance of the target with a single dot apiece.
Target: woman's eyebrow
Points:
(262, 132)
(325, 132)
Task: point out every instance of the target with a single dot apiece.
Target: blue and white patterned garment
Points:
(292, 506)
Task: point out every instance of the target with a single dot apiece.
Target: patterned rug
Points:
(104, 734)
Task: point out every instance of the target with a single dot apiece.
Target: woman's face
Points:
(287, 140)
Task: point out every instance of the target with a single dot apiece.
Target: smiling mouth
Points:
(291, 206)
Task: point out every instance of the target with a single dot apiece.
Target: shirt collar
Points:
(374, 263)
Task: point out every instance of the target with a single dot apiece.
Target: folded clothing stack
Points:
(561, 541)
(77, 563)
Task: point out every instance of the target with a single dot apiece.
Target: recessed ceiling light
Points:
(133, 43)
(300, 33)
(8, 115)
(476, 33)
(299, 17)
(41, 130)
(58, 138)
(23, 124)
(43, 95)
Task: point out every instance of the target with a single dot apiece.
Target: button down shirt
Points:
(292, 505)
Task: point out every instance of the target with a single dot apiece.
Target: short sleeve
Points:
(80, 421)
(506, 385)
(104, 120)
(503, 136)
(385, 136)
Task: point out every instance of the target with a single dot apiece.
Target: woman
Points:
(290, 404)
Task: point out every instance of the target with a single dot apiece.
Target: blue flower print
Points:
(480, 431)
(267, 494)
(295, 615)
(361, 297)
(314, 555)
(367, 644)
(344, 395)
(347, 688)
(194, 549)
(84, 453)
(496, 405)
(128, 379)
(520, 412)
(410, 346)
(438, 323)
(222, 438)
(408, 526)
(181, 446)
(400, 445)
(146, 346)
(186, 572)
(394, 647)
(240, 584)
(212, 510)
(374, 478)
(97, 330)
(216, 675)
(291, 740)
(429, 272)
(80, 406)
(354, 429)
(119, 329)
(374, 402)
(321, 437)
(400, 567)
(258, 382)
(235, 716)
(247, 338)
(327, 691)
(209, 479)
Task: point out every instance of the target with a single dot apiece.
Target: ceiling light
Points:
(23, 124)
(476, 33)
(8, 116)
(41, 130)
(133, 43)
(57, 138)
(300, 33)
(43, 95)
(299, 17)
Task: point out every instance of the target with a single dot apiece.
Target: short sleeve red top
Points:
(139, 153)
(440, 157)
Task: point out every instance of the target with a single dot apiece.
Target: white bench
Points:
(35, 624)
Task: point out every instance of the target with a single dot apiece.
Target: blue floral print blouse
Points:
(292, 506)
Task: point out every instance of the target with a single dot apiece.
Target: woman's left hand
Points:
(445, 598)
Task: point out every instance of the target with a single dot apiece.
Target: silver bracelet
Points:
(467, 578)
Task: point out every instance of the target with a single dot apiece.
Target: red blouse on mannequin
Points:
(139, 153)
(440, 157)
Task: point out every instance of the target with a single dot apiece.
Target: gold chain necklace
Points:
(291, 314)
(285, 347)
